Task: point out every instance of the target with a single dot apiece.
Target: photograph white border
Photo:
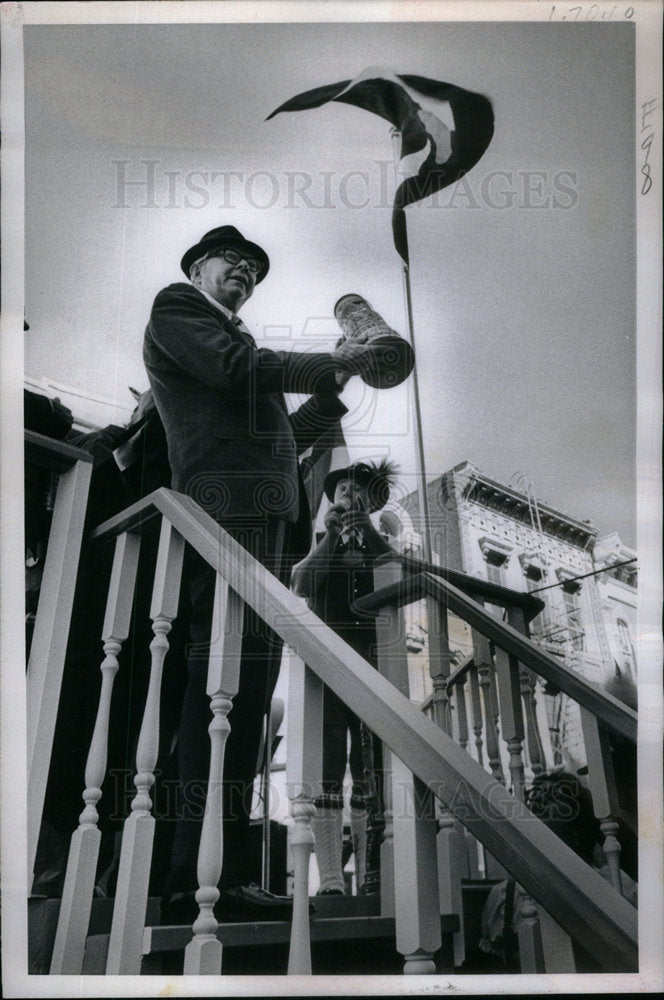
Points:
(16, 983)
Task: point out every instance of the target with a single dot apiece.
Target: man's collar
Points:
(355, 533)
(227, 312)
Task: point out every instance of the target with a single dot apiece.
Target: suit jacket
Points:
(330, 594)
(232, 445)
(45, 416)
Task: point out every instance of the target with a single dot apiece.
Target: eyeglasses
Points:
(233, 257)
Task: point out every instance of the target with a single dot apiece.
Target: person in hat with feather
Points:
(336, 573)
(233, 448)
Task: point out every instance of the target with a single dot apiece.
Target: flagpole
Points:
(421, 473)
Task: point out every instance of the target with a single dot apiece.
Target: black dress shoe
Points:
(253, 901)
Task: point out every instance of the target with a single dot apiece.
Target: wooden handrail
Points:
(53, 618)
(603, 705)
(575, 895)
(454, 678)
(427, 703)
(132, 518)
(47, 453)
(460, 672)
(493, 593)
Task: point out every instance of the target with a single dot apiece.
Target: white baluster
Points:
(417, 909)
(532, 727)
(461, 712)
(452, 866)
(512, 680)
(304, 772)
(511, 716)
(387, 889)
(531, 950)
(493, 697)
(483, 662)
(124, 950)
(477, 854)
(468, 846)
(603, 790)
(493, 752)
(415, 872)
(476, 714)
(611, 848)
(440, 659)
(202, 955)
(77, 893)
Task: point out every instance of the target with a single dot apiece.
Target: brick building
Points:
(502, 533)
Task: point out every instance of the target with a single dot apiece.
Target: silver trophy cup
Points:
(388, 359)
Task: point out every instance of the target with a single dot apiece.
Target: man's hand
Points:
(342, 378)
(355, 518)
(344, 352)
(350, 357)
(333, 519)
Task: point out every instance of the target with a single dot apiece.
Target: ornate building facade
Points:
(502, 533)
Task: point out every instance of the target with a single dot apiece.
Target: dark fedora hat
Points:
(226, 236)
(377, 478)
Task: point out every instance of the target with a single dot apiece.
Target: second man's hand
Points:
(355, 518)
(333, 519)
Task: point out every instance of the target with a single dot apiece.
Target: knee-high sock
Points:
(358, 831)
(328, 827)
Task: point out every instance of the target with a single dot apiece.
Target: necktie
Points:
(242, 328)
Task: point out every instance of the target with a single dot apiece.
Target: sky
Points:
(523, 275)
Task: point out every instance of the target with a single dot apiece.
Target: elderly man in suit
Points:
(233, 448)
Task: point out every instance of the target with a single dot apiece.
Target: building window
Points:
(494, 570)
(540, 622)
(626, 648)
(533, 562)
(496, 556)
(573, 613)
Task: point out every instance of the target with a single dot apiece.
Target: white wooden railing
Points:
(496, 689)
(51, 631)
(426, 765)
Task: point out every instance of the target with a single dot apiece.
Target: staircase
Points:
(347, 933)
(443, 806)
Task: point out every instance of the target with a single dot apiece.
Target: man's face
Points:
(229, 284)
(348, 491)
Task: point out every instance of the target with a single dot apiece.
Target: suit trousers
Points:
(260, 660)
(339, 724)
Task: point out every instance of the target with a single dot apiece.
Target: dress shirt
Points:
(352, 533)
(227, 312)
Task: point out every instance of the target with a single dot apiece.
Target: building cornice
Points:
(505, 500)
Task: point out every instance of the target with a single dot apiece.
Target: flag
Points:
(444, 130)
(329, 452)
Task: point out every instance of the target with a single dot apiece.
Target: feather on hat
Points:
(377, 477)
